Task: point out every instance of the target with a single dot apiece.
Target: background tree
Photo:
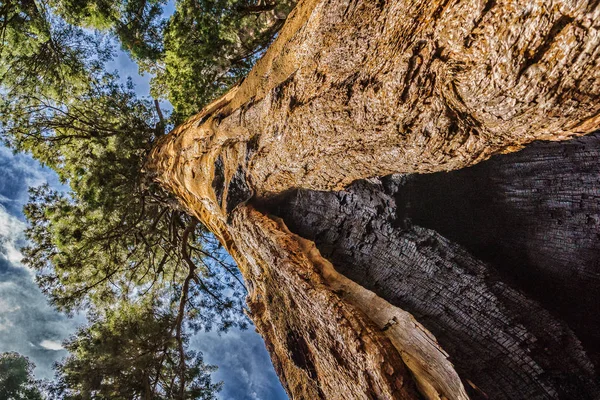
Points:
(194, 55)
(211, 44)
(115, 234)
(41, 55)
(138, 24)
(133, 351)
(16, 378)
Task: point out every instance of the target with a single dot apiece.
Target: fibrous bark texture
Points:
(351, 90)
(322, 346)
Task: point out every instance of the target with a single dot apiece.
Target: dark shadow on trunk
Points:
(530, 222)
(534, 215)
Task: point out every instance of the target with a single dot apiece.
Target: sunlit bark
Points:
(352, 90)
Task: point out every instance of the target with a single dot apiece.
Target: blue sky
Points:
(28, 324)
(31, 327)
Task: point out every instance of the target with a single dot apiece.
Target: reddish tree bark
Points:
(352, 90)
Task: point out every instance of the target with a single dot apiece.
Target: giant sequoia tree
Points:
(362, 293)
(371, 272)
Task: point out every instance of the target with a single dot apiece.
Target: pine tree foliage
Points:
(131, 351)
(211, 44)
(138, 24)
(115, 245)
(16, 378)
(115, 235)
(195, 55)
(43, 56)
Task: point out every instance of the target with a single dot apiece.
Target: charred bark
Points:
(351, 90)
(503, 345)
(534, 215)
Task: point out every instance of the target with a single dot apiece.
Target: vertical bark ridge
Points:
(427, 361)
(285, 282)
(334, 331)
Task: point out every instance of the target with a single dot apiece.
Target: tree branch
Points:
(160, 127)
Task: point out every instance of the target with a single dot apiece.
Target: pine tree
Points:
(133, 351)
(16, 378)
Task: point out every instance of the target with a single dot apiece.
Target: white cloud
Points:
(28, 324)
(51, 345)
(33, 173)
(5, 324)
(11, 235)
(19, 172)
(5, 307)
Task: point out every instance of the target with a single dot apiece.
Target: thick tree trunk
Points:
(352, 90)
(510, 210)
